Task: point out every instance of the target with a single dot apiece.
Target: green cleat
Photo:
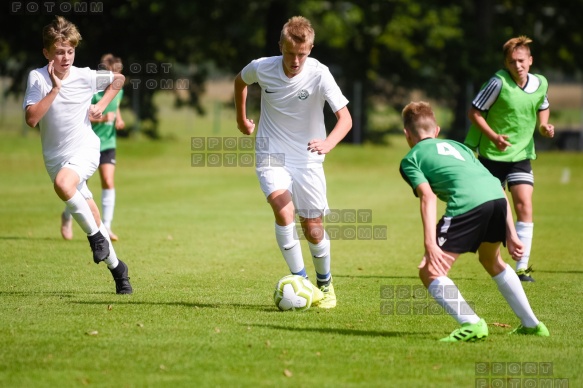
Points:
(468, 332)
(328, 299)
(540, 330)
(524, 274)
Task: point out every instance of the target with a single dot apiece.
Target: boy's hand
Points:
(54, 79)
(501, 142)
(119, 123)
(320, 146)
(515, 248)
(246, 127)
(438, 261)
(95, 113)
(547, 130)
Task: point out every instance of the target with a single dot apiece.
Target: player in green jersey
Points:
(477, 218)
(504, 115)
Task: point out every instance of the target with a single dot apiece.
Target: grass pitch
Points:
(203, 263)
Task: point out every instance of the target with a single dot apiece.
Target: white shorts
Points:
(306, 185)
(84, 164)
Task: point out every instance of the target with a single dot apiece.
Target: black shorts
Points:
(465, 233)
(107, 157)
(515, 173)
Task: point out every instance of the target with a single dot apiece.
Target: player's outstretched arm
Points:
(245, 125)
(438, 261)
(513, 243)
(342, 127)
(96, 111)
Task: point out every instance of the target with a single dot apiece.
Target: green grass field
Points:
(203, 262)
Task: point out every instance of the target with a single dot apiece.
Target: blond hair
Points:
(516, 43)
(418, 117)
(298, 30)
(60, 30)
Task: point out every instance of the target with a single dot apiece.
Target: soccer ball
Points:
(293, 292)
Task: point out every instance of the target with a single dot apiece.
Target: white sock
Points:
(321, 259)
(290, 247)
(107, 206)
(446, 293)
(67, 213)
(81, 212)
(112, 260)
(525, 232)
(511, 289)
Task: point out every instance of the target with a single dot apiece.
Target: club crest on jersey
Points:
(303, 94)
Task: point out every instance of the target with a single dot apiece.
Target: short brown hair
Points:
(299, 30)
(516, 43)
(60, 30)
(418, 117)
(111, 63)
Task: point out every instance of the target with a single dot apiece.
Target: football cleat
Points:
(468, 332)
(99, 246)
(317, 295)
(122, 280)
(328, 299)
(539, 330)
(523, 274)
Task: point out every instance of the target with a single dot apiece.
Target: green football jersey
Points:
(453, 172)
(106, 131)
(514, 114)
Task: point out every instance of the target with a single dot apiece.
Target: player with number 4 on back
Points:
(295, 89)
(477, 218)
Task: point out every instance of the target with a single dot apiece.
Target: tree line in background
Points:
(378, 50)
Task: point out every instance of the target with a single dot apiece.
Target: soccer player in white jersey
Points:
(291, 144)
(58, 99)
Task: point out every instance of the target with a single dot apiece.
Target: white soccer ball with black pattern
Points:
(293, 292)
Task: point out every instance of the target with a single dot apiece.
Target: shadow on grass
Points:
(360, 333)
(259, 307)
(375, 277)
(29, 238)
(457, 278)
(123, 300)
(67, 294)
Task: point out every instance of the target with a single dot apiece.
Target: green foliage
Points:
(444, 49)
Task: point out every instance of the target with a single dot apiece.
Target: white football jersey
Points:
(292, 109)
(65, 128)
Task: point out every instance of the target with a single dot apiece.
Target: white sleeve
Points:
(488, 95)
(34, 89)
(332, 92)
(545, 105)
(249, 72)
